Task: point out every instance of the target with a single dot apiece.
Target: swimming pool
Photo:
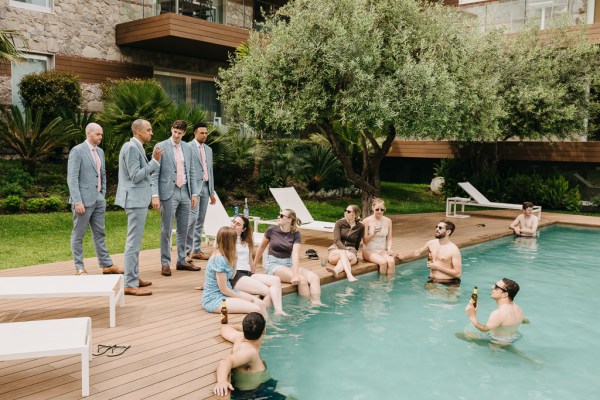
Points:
(394, 339)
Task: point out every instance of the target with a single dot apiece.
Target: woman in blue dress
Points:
(216, 281)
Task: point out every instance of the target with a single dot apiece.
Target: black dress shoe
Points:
(166, 270)
(187, 267)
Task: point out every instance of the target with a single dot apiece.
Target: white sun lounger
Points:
(217, 217)
(478, 200)
(55, 337)
(25, 287)
(288, 198)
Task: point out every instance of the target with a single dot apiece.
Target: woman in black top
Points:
(347, 235)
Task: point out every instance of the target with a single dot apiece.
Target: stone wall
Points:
(86, 28)
(239, 13)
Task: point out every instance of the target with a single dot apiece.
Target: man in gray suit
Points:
(86, 177)
(134, 193)
(174, 193)
(202, 157)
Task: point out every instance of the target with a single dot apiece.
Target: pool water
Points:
(384, 338)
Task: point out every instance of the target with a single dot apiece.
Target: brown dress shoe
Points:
(187, 267)
(144, 283)
(137, 291)
(113, 269)
(199, 256)
(166, 270)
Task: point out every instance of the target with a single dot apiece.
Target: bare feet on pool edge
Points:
(352, 279)
(323, 262)
(282, 313)
(332, 271)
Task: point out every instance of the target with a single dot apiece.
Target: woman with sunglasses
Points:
(283, 259)
(245, 278)
(219, 269)
(347, 234)
(378, 239)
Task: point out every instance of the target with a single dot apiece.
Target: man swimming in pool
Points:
(249, 375)
(503, 323)
(446, 261)
(525, 224)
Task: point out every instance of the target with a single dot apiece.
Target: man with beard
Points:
(445, 261)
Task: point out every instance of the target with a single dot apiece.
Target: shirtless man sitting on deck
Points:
(503, 323)
(249, 373)
(525, 224)
(446, 264)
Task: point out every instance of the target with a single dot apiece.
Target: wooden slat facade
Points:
(179, 34)
(97, 71)
(584, 152)
(175, 344)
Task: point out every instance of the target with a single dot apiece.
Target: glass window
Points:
(174, 86)
(192, 90)
(39, 5)
(205, 93)
(31, 64)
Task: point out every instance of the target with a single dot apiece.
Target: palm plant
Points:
(321, 164)
(8, 50)
(24, 134)
(190, 113)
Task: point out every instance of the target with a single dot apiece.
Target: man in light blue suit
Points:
(202, 157)
(174, 193)
(134, 194)
(86, 177)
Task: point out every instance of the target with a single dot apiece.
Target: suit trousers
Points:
(94, 217)
(136, 222)
(177, 207)
(196, 222)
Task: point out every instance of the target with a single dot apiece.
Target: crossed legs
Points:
(343, 260)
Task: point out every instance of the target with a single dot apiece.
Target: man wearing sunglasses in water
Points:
(445, 261)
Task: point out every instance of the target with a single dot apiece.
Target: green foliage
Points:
(524, 187)
(558, 195)
(54, 92)
(8, 50)
(14, 179)
(130, 99)
(13, 203)
(453, 170)
(34, 205)
(235, 153)
(45, 204)
(28, 138)
(321, 164)
(190, 113)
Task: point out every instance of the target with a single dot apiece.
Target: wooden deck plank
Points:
(175, 344)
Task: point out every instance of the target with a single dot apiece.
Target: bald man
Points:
(86, 177)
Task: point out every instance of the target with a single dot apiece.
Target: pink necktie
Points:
(97, 159)
(179, 162)
(203, 158)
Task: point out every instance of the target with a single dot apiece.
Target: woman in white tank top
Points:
(378, 239)
(267, 286)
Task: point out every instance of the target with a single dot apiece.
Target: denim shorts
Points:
(273, 263)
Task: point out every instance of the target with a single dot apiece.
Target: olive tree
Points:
(385, 68)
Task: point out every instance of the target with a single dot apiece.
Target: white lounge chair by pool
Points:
(288, 198)
(478, 200)
(217, 217)
(54, 337)
(26, 287)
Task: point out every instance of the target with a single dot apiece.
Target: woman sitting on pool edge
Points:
(347, 234)
(245, 279)
(283, 259)
(378, 239)
(219, 269)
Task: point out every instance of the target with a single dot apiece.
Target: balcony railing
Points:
(513, 15)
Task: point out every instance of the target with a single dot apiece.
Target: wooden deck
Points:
(175, 344)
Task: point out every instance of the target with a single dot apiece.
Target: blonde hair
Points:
(377, 200)
(295, 221)
(226, 241)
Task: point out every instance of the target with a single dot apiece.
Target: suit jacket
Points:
(163, 182)
(82, 175)
(198, 166)
(135, 187)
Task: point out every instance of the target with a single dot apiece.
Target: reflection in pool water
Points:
(396, 338)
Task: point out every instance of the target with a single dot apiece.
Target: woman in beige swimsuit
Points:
(378, 239)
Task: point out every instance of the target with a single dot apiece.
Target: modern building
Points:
(181, 43)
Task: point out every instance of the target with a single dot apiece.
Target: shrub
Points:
(34, 205)
(14, 178)
(54, 203)
(558, 195)
(521, 187)
(54, 92)
(12, 203)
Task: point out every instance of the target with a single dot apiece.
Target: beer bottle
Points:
(224, 312)
(246, 209)
(430, 257)
(474, 297)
